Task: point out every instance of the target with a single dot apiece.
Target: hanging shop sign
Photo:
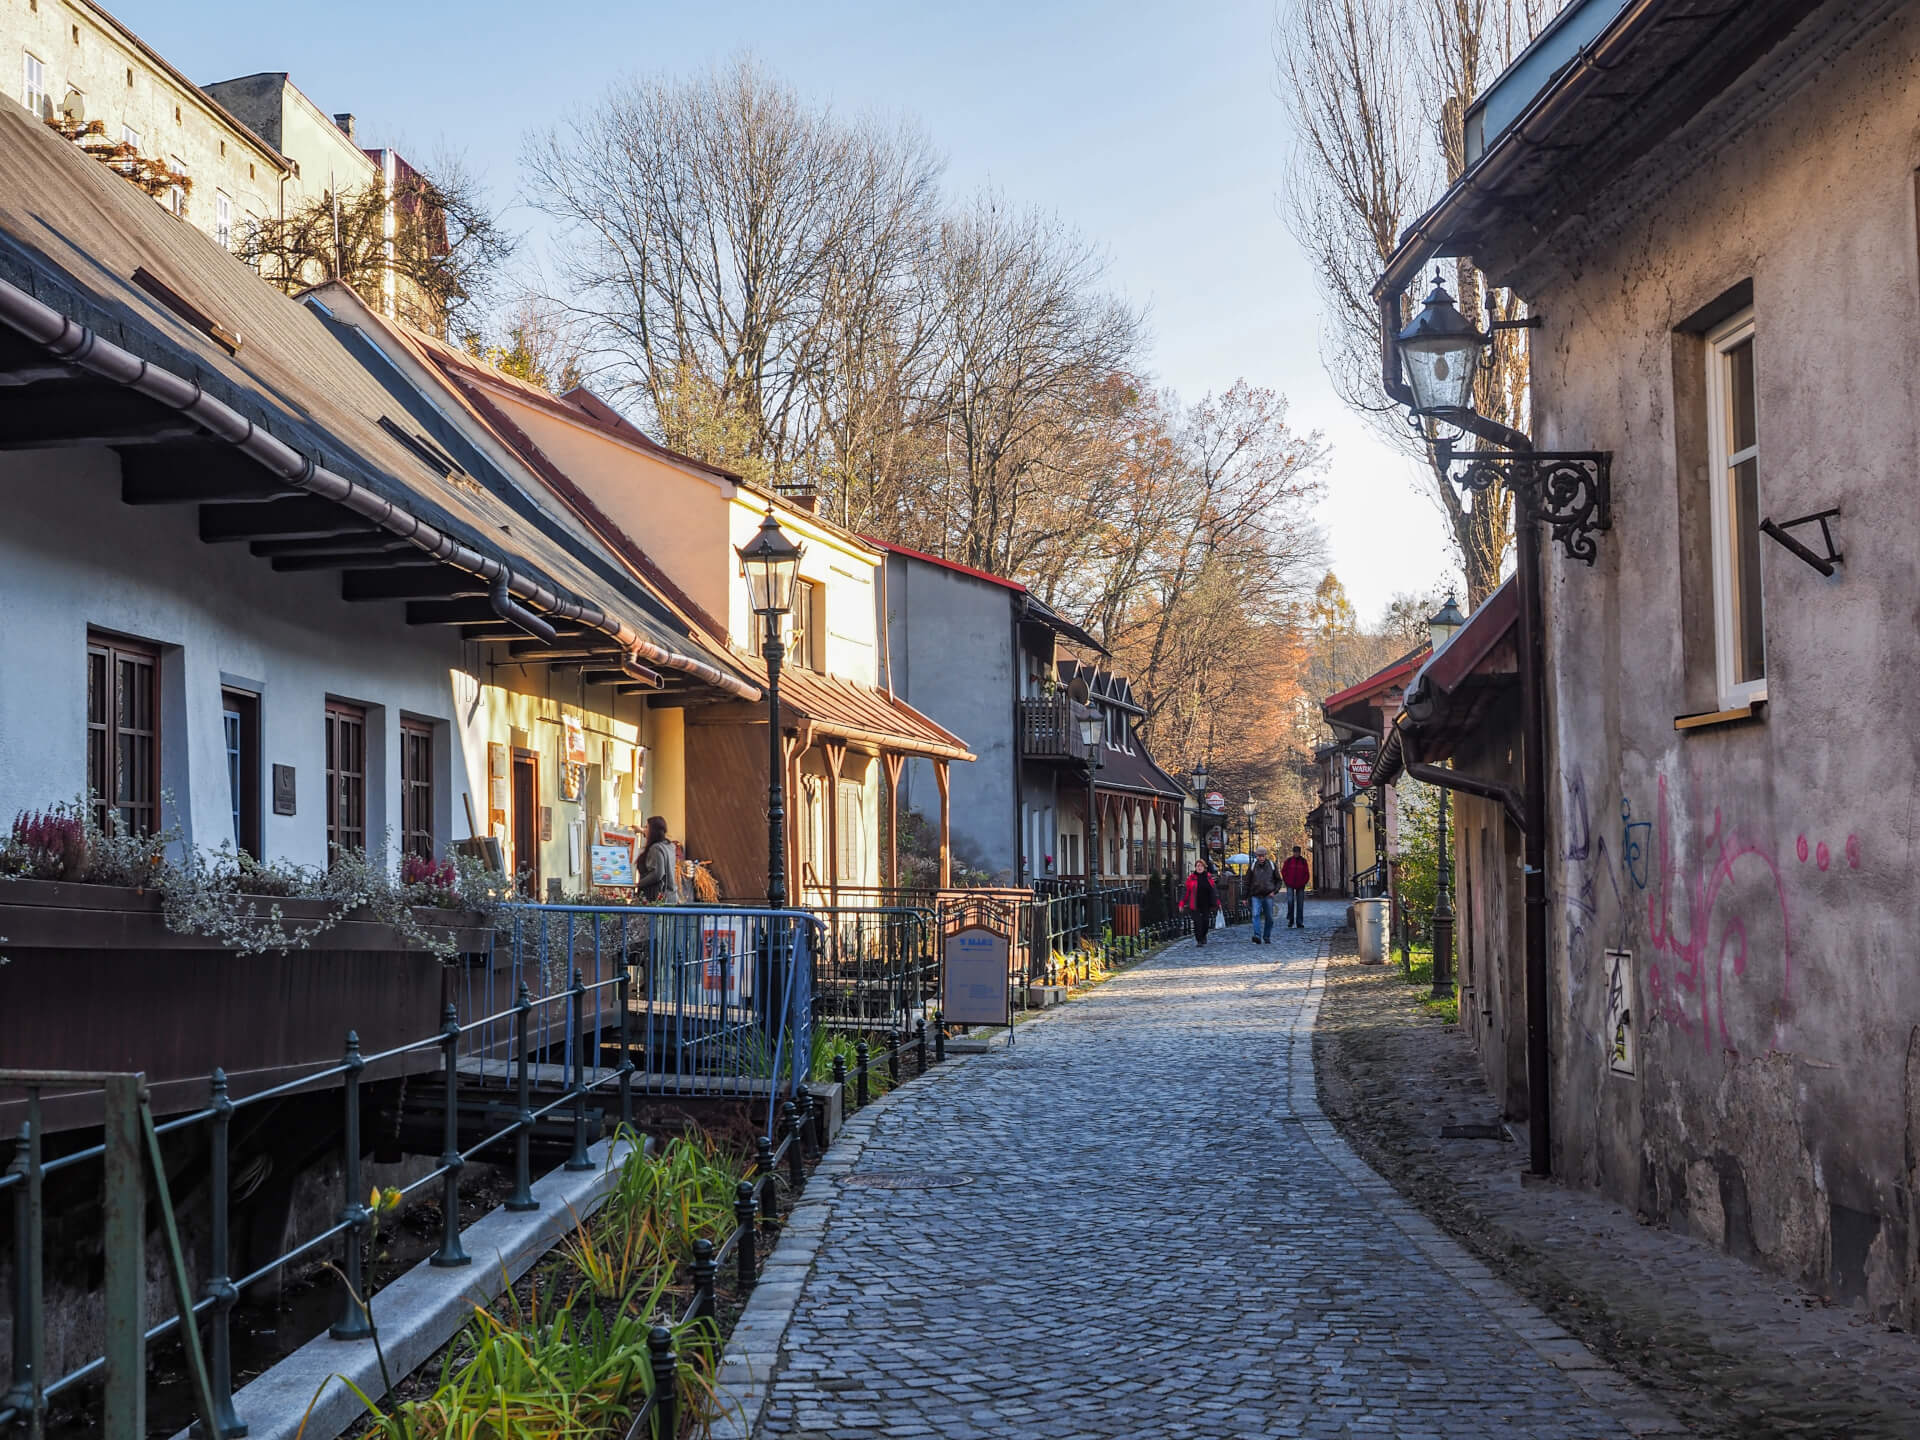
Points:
(1361, 769)
(1215, 802)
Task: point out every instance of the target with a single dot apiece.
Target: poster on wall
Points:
(573, 757)
(1618, 1032)
(723, 975)
(612, 867)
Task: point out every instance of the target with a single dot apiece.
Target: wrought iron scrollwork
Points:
(1572, 490)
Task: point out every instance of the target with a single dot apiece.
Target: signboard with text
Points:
(976, 986)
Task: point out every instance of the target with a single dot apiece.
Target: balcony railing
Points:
(1048, 731)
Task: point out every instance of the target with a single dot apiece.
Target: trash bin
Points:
(1370, 920)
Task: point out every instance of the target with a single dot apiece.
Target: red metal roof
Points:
(1379, 681)
(987, 575)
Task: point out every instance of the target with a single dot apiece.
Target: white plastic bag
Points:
(1219, 920)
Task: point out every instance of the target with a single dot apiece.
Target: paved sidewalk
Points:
(1160, 1235)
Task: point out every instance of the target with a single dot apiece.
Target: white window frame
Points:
(223, 219)
(1734, 694)
(130, 136)
(33, 82)
(176, 197)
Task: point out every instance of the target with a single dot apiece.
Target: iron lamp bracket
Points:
(1777, 530)
(1572, 490)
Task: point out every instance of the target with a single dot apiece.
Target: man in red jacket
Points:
(1294, 874)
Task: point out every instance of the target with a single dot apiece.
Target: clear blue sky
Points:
(1152, 125)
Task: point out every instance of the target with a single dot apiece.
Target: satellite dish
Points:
(74, 107)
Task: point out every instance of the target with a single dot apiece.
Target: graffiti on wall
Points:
(1707, 945)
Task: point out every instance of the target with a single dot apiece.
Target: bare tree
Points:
(1376, 139)
(437, 262)
(715, 231)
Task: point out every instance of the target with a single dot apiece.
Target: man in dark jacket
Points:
(1263, 883)
(1294, 874)
(1200, 900)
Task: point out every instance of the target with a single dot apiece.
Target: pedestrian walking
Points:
(1263, 884)
(1200, 899)
(1296, 875)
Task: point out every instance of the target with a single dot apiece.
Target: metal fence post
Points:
(840, 1075)
(125, 1247)
(746, 1217)
(220, 1286)
(450, 1255)
(522, 1197)
(29, 1341)
(666, 1410)
(763, 1168)
(796, 1159)
(893, 1056)
(920, 1044)
(705, 1272)
(621, 990)
(353, 1323)
(576, 1006)
(939, 1036)
(860, 1075)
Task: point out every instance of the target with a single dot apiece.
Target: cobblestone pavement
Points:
(1733, 1350)
(1159, 1235)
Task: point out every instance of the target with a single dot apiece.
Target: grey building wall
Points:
(950, 644)
(1756, 876)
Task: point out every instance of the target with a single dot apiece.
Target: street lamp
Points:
(1430, 366)
(1091, 735)
(1443, 626)
(1247, 809)
(770, 564)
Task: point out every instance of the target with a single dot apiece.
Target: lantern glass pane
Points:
(1441, 372)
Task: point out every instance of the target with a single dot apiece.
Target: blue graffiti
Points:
(1634, 833)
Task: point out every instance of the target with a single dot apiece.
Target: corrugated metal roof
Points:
(854, 711)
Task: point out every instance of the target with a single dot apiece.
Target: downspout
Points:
(82, 348)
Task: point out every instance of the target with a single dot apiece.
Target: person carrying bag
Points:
(1201, 901)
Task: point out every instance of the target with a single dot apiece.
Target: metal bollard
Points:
(522, 1197)
(746, 1216)
(763, 1168)
(939, 1036)
(576, 1013)
(920, 1044)
(796, 1161)
(840, 1071)
(220, 1286)
(666, 1410)
(450, 1255)
(893, 1056)
(860, 1076)
(353, 1323)
(705, 1272)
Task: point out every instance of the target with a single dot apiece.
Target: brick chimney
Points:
(345, 122)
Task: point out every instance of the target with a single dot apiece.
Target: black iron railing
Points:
(725, 1000)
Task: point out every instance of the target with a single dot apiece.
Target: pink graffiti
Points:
(1694, 954)
(1800, 849)
(1853, 852)
(1821, 856)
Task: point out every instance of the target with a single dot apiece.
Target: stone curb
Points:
(307, 1394)
(1637, 1412)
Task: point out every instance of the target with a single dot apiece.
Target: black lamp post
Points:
(1091, 728)
(1430, 366)
(770, 563)
(1201, 775)
(1248, 809)
(1441, 628)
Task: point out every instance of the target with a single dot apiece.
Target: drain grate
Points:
(907, 1180)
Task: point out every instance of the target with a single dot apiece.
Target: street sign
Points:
(1215, 802)
(1361, 769)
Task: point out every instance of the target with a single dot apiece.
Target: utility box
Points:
(1370, 922)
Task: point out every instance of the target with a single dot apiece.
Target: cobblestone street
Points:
(1157, 1233)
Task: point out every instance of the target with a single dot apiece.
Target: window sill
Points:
(1752, 710)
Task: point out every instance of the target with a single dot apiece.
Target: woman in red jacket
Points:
(1200, 900)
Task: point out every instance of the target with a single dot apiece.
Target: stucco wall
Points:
(1757, 873)
(951, 639)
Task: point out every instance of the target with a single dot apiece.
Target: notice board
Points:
(974, 984)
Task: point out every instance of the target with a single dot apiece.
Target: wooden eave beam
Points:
(80, 413)
(195, 473)
(306, 516)
(409, 583)
(355, 560)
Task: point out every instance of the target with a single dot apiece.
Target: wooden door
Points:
(526, 823)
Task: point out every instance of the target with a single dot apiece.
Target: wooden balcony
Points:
(1048, 731)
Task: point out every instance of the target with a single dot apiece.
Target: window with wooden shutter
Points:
(346, 778)
(123, 734)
